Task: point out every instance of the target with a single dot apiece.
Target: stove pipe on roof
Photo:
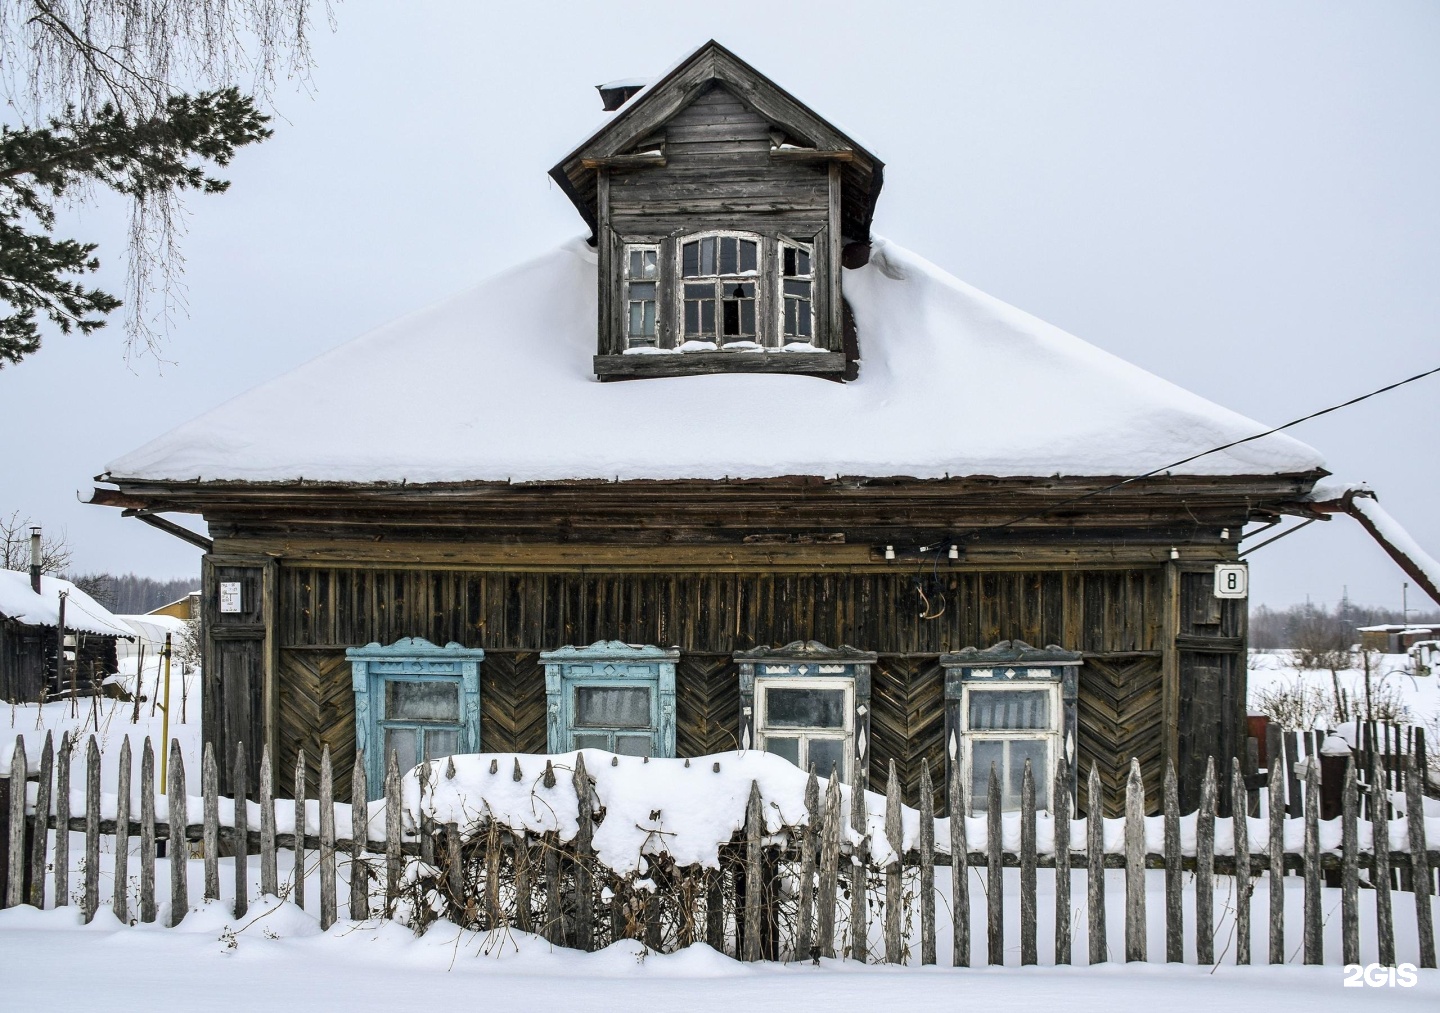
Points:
(616, 93)
(35, 559)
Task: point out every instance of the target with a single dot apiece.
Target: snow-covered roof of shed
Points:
(18, 601)
(495, 384)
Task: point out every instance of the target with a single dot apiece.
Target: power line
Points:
(1213, 450)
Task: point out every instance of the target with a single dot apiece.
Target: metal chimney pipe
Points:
(35, 559)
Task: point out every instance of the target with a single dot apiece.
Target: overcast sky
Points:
(1240, 197)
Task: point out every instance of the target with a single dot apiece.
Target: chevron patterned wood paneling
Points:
(907, 723)
(1120, 716)
(314, 707)
(707, 698)
(512, 702)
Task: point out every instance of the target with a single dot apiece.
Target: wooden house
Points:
(834, 480)
(33, 609)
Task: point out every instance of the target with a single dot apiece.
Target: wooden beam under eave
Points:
(643, 161)
(811, 155)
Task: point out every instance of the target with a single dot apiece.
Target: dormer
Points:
(720, 207)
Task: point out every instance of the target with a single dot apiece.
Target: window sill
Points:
(830, 365)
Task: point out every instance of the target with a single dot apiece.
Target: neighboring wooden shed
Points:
(727, 552)
(30, 640)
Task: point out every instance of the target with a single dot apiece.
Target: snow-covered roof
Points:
(82, 613)
(496, 384)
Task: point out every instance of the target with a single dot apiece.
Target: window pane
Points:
(637, 319)
(439, 742)
(637, 260)
(804, 707)
(802, 307)
(729, 255)
(634, 745)
(788, 256)
(983, 754)
(802, 262)
(648, 268)
(690, 260)
(749, 259)
(649, 322)
(402, 742)
(642, 290)
(731, 318)
(1010, 708)
(1037, 751)
(422, 701)
(692, 318)
(800, 288)
(707, 317)
(827, 754)
(747, 317)
(612, 707)
(792, 316)
(591, 740)
(707, 256)
(786, 747)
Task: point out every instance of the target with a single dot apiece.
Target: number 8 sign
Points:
(1232, 580)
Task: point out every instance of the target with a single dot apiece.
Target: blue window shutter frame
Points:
(609, 662)
(412, 659)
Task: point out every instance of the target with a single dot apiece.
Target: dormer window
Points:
(719, 273)
(641, 276)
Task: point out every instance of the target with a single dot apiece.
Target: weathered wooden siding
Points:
(315, 708)
(1121, 715)
(718, 613)
(907, 723)
(1211, 717)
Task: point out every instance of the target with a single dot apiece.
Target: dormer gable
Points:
(720, 207)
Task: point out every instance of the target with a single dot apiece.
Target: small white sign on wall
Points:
(1232, 580)
(230, 596)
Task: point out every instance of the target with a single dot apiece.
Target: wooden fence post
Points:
(241, 838)
(554, 923)
(393, 867)
(15, 829)
(92, 829)
(1419, 859)
(298, 892)
(118, 902)
(1276, 805)
(179, 846)
(584, 884)
(1205, 869)
(994, 873)
(1134, 864)
(269, 865)
(1350, 868)
(829, 868)
(1314, 941)
(860, 862)
(1174, 912)
(520, 844)
(327, 842)
(359, 835)
(1380, 872)
(147, 832)
(210, 817)
(1095, 868)
(62, 820)
(40, 843)
(959, 869)
(1029, 951)
(895, 869)
(927, 865)
(1239, 815)
(754, 876)
(805, 917)
(1060, 800)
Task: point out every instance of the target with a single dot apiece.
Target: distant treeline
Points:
(128, 594)
(1307, 625)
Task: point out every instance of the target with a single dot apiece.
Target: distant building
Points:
(30, 638)
(1396, 638)
(187, 607)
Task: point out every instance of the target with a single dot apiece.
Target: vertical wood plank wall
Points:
(1114, 616)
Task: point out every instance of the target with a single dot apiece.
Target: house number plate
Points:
(1232, 580)
(230, 596)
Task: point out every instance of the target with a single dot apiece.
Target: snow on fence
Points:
(739, 850)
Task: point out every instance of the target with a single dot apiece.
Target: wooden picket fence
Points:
(804, 893)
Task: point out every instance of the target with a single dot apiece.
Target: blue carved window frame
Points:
(609, 664)
(412, 660)
(810, 664)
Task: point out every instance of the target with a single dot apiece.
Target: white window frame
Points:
(653, 340)
(1051, 735)
(750, 277)
(783, 339)
(845, 734)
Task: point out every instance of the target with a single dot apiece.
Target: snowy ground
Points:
(1391, 677)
